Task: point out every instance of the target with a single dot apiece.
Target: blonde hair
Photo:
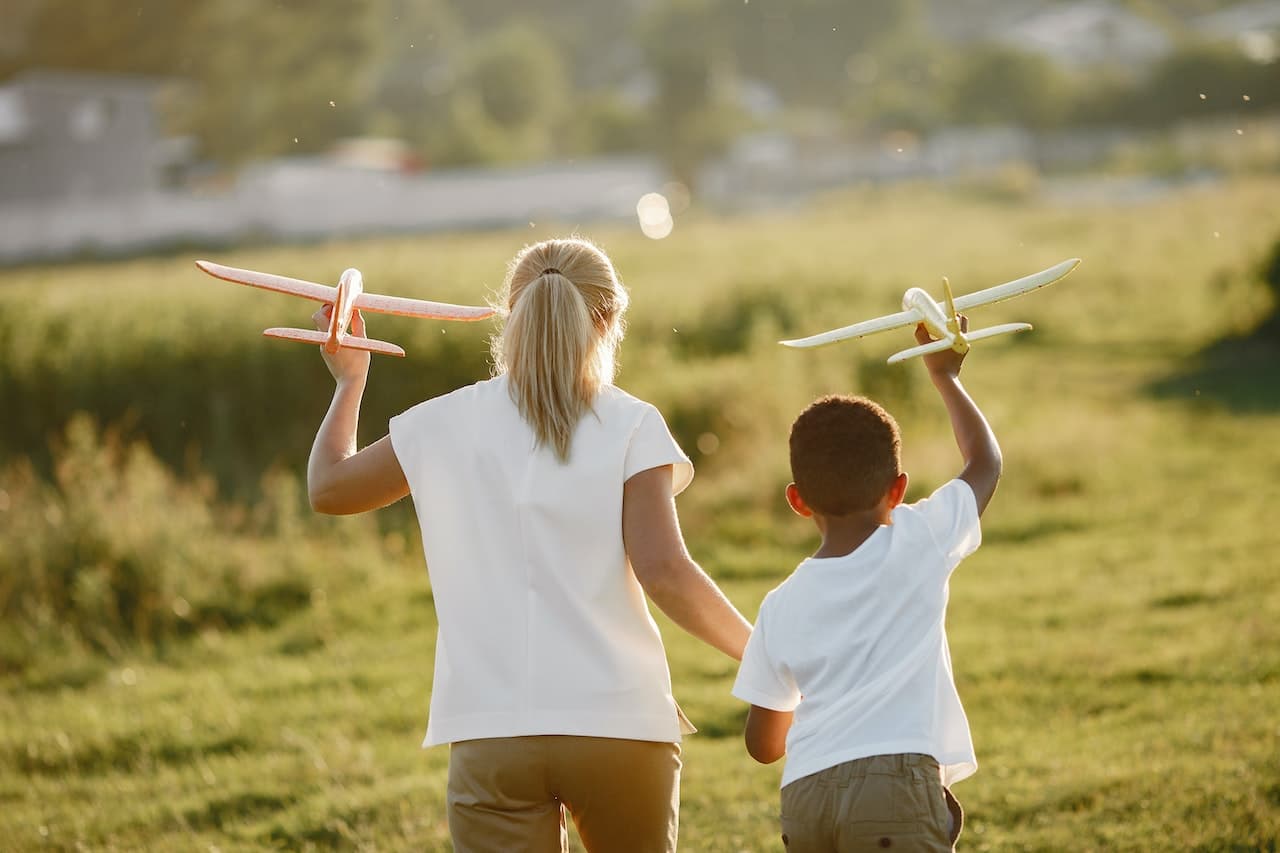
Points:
(563, 307)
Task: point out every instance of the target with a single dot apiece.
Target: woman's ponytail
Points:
(564, 309)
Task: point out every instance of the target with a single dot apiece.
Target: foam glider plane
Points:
(940, 318)
(345, 299)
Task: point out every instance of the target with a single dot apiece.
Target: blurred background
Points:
(191, 659)
(130, 125)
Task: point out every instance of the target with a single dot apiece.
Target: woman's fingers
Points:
(324, 316)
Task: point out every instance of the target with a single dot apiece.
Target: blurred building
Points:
(1087, 34)
(75, 136)
(1253, 27)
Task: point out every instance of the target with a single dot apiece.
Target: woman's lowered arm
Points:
(678, 585)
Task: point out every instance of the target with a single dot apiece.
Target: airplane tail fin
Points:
(971, 336)
(349, 341)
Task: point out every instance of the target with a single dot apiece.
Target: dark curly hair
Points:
(845, 454)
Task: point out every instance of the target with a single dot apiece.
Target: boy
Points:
(853, 643)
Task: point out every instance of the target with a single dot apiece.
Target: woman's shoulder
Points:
(612, 400)
(476, 393)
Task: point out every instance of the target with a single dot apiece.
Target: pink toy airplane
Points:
(345, 298)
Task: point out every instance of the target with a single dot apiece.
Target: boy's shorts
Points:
(883, 802)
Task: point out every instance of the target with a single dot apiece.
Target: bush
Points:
(118, 551)
(1270, 275)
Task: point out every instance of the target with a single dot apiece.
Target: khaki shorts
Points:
(884, 802)
(510, 795)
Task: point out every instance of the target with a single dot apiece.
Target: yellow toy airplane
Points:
(940, 317)
(345, 298)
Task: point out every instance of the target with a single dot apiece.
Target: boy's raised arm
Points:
(978, 446)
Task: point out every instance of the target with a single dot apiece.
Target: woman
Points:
(546, 501)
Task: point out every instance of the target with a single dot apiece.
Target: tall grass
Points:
(117, 552)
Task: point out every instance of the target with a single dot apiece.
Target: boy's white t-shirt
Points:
(857, 646)
(544, 628)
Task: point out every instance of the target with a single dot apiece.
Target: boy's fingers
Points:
(922, 334)
(964, 322)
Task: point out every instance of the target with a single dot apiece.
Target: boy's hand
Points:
(346, 364)
(982, 460)
(947, 362)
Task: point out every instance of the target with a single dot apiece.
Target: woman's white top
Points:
(862, 639)
(544, 628)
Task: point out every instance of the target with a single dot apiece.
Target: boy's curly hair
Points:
(845, 454)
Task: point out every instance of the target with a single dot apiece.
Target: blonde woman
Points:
(546, 500)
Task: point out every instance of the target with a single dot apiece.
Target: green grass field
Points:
(190, 661)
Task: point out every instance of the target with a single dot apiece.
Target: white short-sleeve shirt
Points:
(857, 646)
(544, 628)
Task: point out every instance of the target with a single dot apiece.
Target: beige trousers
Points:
(510, 795)
(894, 802)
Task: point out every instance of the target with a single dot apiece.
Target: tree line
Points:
(499, 81)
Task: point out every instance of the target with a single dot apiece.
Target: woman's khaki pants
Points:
(510, 795)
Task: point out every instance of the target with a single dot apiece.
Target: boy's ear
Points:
(898, 491)
(797, 504)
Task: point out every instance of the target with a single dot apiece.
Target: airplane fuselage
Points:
(931, 314)
(350, 286)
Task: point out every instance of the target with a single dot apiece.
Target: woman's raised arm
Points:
(340, 479)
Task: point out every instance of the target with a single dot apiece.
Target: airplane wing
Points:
(1010, 289)
(400, 305)
(311, 336)
(406, 307)
(858, 330)
(268, 281)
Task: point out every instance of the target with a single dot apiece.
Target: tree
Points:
(505, 102)
(517, 77)
(150, 37)
(252, 77)
(418, 74)
(1003, 85)
(898, 83)
(802, 47)
(1195, 81)
(273, 78)
(684, 53)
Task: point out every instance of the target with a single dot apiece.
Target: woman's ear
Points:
(797, 504)
(898, 491)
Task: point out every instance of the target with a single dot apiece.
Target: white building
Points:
(1087, 34)
(69, 136)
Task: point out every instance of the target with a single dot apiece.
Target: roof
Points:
(95, 82)
(1088, 32)
(13, 116)
(15, 121)
(1237, 20)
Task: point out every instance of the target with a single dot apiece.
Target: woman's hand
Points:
(346, 364)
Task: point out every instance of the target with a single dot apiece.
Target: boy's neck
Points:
(842, 534)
